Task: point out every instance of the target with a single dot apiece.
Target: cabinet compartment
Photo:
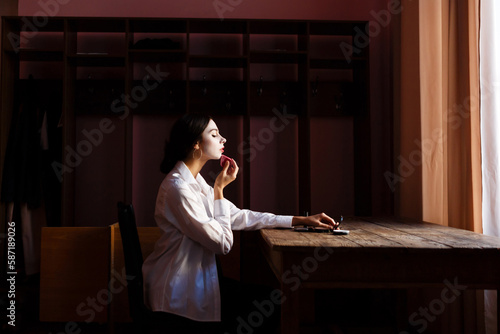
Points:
(271, 149)
(43, 69)
(329, 98)
(158, 87)
(276, 87)
(273, 43)
(329, 47)
(149, 133)
(33, 34)
(216, 44)
(332, 167)
(98, 157)
(270, 98)
(95, 43)
(166, 98)
(102, 97)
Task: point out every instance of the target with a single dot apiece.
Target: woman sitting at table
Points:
(180, 275)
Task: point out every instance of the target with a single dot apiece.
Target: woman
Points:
(180, 275)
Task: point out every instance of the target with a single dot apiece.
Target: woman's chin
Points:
(216, 157)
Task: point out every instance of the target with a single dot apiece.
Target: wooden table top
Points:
(379, 253)
(382, 234)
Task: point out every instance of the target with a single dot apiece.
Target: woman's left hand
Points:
(318, 220)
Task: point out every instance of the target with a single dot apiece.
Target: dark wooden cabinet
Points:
(284, 91)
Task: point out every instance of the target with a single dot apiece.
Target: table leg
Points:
(290, 321)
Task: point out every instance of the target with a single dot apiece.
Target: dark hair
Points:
(185, 132)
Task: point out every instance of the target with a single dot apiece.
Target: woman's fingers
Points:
(228, 174)
(327, 219)
(323, 220)
(231, 168)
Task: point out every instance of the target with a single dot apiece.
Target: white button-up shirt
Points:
(180, 275)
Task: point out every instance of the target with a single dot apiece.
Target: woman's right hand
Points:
(228, 175)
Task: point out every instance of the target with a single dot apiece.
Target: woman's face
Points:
(212, 143)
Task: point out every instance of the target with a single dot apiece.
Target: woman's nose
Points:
(223, 141)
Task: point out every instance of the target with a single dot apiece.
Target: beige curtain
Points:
(438, 131)
(440, 164)
(449, 87)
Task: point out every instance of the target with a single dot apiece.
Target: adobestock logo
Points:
(266, 135)
(98, 303)
(436, 307)
(293, 278)
(430, 146)
(30, 28)
(222, 6)
(361, 39)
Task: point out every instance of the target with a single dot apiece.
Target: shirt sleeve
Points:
(243, 219)
(181, 207)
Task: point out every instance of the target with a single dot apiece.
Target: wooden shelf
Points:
(97, 24)
(152, 25)
(278, 56)
(38, 24)
(39, 55)
(232, 54)
(340, 28)
(217, 61)
(97, 60)
(170, 56)
(216, 26)
(274, 27)
(330, 64)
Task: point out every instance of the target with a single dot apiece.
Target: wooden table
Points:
(378, 253)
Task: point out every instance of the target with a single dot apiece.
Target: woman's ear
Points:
(197, 145)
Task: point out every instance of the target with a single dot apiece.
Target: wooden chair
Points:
(145, 320)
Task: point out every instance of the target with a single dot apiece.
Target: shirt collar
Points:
(187, 176)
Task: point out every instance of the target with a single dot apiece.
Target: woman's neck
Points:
(194, 165)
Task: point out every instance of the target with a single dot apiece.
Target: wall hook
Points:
(315, 87)
(283, 99)
(91, 89)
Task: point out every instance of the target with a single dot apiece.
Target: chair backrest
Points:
(145, 319)
(133, 259)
